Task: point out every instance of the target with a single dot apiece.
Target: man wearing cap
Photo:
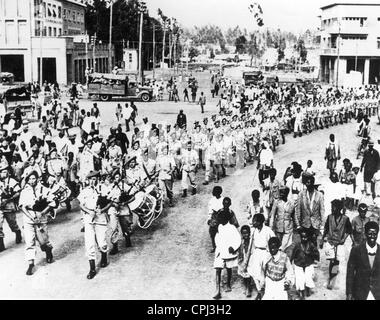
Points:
(95, 220)
(36, 201)
(148, 167)
(189, 161)
(55, 165)
(86, 160)
(358, 224)
(10, 190)
(370, 163)
(199, 143)
(165, 167)
(133, 174)
(120, 215)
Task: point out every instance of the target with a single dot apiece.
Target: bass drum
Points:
(156, 192)
(143, 206)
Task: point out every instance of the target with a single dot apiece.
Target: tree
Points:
(193, 52)
(212, 54)
(240, 44)
(301, 49)
(255, 46)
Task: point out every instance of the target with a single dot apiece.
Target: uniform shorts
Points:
(220, 263)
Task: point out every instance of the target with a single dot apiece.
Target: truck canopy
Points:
(107, 76)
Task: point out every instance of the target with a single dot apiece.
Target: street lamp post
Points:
(110, 39)
(142, 10)
(338, 56)
(41, 46)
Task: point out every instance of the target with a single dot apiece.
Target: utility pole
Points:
(163, 44)
(93, 53)
(356, 55)
(86, 49)
(41, 46)
(110, 40)
(338, 57)
(142, 9)
(154, 51)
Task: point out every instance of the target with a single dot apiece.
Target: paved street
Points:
(171, 260)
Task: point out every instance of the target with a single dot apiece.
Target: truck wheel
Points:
(105, 97)
(145, 97)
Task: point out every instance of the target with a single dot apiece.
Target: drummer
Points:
(189, 164)
(133, 175)
(148, 167)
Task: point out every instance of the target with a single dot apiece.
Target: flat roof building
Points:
(54, 29)
(350, 41)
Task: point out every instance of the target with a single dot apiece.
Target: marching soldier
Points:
(10, 190)
(95, 205)
(189, 165)
(120, 215)
(36, 202)
(165, 167)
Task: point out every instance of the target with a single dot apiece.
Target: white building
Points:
(130, 60)
(350, 41)
(61, 21)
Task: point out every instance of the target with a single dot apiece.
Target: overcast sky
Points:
(292, 15)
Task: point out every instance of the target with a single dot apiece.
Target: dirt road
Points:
(171, 260)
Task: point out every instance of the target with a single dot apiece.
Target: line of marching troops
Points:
(39, 174)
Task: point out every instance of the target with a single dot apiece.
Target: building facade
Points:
(53, 30)
(350, 43)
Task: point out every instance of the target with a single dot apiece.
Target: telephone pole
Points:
(110, 40)
(142, 10)
(41, 46)
(154, 51)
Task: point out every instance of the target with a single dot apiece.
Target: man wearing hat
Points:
(120, 215)
(133, 174)
(55, 165)
(95, 220)
(36, 201)
(86, 160)
(199, 143)
(148, 167)
(165, 167)
(189, 161)
(370, 164)
(10, 190)
(358, 224)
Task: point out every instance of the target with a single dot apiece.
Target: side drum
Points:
(144, 207)
(155, 192)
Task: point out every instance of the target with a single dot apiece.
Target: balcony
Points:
(347, 28)
(353, 48)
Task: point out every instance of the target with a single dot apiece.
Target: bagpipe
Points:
(6, 194)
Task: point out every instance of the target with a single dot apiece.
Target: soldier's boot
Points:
(103, 261)
(18, 236)
(29, 272)
(194, 191)
(2, 247)
(49, 255)
(114, 250)
(92, 272)
(184, 194)
(128, 242)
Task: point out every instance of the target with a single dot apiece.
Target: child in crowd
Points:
(227, 242)
(255, 206)
(242, 259)
(278, 272)
(303, 256)
(309, 169)
(214, 205)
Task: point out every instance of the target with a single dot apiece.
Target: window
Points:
(55, 32)
(64, 14)
(59, 32)
(49, 10)
(59, 13)
(69, 15)
(130, 57)
(74, 16)
(378, 43)
(49, 31)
